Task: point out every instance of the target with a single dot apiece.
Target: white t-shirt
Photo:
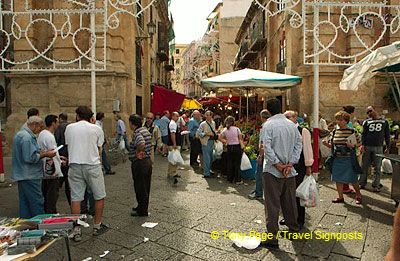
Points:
(173, 126)
(47, 141)
(84, 140)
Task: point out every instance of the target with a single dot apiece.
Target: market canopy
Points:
(191, 104)
(379, 60)
(249, 78)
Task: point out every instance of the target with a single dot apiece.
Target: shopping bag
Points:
(174, 157)
(387, 166)
(245, 163)
(308, 192)
(121, 145)
(218, 149)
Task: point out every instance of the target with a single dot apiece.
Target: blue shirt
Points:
(121, 130)
(26, 162)
(193, 126)
(282, 144)
(164, 123)
(157, 122)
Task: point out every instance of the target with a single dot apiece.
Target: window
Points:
(282, 48)
(139, 105)
(177, 51)
(177, 61)
(140, 19)
(138, 63)
(281, 5)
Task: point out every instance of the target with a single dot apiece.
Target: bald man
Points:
(195, 145)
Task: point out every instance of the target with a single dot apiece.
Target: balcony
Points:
(257, 35)
(163, 48)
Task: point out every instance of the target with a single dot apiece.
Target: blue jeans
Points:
(207, 157)
(30, 198)
(368, 158)
(259, 181)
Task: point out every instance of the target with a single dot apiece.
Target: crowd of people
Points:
(51, 152)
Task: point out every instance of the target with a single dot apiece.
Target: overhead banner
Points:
(165, 99)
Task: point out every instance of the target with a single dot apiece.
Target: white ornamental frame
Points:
(86, 60)
(323, 54)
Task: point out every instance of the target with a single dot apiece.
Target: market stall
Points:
(22, 239)
(247, 80)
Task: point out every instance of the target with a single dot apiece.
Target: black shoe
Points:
(290, 235)
(270, 244)
(110, 173)
(98, 231)
(136, 214)
(282, 222)
(134, 209)
(175, 180)
(208, 177)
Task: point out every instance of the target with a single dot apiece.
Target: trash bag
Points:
(246, 242)
(308, 193)
(245, 163)
(174, 157)
(387, 166)
(218, 149)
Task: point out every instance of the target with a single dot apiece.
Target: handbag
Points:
(215, 137)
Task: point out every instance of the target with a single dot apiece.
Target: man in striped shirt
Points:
(139, 155)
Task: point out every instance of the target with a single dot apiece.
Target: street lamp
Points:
(151, 29)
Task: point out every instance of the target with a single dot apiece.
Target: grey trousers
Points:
(280, 193)
(368, 158)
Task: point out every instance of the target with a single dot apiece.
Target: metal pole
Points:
(316, 97)
(240, 104)
(93, 57)
(398, 89)
(247, 105)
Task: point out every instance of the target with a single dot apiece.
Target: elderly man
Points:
(140, 155)
(282, 149)
(195, 145)
(175, 143)
(27, 168)
(304, 167)
(164, 125)
(208, 135)
(155, 134)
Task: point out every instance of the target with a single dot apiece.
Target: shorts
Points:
(81, 176)
(165, 140)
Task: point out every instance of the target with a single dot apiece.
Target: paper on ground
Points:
(149, 224)
(245, 241)
(87, 259)
(145, 239)
(105, 253)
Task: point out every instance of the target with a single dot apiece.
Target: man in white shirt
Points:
(51, 166)
(174, 143)
(85, 141)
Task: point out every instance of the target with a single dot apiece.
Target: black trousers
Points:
(50, 189)
(141, 175)
(64, 170)
(234, 157)
(300, 210)
(195, 150)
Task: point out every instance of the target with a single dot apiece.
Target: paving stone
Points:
(181, 244)
(121, 239)
(317, 247)
(279, 255)
(153, 251)
(337, 257)
(210, 253)
(183, 257)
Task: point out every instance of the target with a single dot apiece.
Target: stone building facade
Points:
(272, 44)
(135, 59)
(178, 73)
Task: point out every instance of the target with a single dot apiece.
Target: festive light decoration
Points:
(66, 28)
(336, 19)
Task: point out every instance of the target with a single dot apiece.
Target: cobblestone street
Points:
(186, 215)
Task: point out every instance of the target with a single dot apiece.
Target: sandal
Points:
(338, 200)
(358, 200)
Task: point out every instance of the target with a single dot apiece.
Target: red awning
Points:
(165, 99)
(210, 101)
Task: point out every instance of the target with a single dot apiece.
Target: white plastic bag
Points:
(387, 166)
(308, 193)
(218, 149)
(245, 163)
(174, 157)
(122, 145)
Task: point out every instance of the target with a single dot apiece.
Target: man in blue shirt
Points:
(27, 168)
(164, 123)
(195, 145)
(282, 149)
